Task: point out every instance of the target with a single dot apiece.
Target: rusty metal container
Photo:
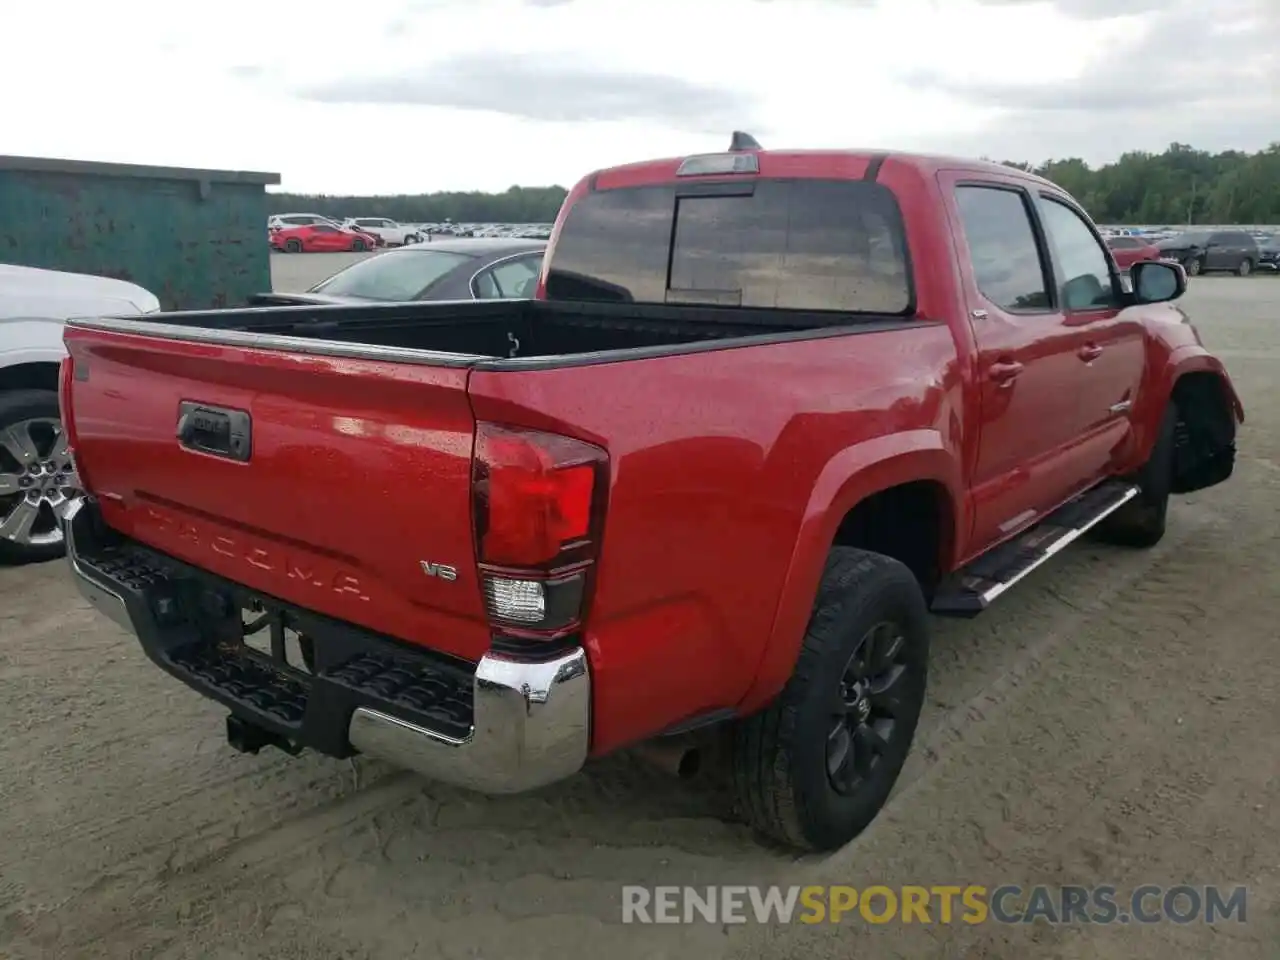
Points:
(194, 238)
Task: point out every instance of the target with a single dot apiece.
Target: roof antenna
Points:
(743, 141)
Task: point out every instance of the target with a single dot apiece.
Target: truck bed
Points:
(509, 332)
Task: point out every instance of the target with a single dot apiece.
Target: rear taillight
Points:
(538, 508)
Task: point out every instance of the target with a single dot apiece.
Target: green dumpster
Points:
(194, 238)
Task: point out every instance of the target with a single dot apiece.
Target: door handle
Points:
(1089, 352)
(1004, 372)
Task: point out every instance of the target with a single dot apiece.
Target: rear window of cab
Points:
(786, 244)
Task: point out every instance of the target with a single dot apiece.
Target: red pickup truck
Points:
(767, 411)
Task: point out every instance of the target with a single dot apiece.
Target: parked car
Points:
(708, 483)
(321, 238)
(1269, 253)
(441, 270)
(1202, 251)
(1129, 250)
(282, 220)
(37, 477)
(388, 232)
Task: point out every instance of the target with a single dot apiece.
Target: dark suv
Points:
(1203, 251)
(1269, 253)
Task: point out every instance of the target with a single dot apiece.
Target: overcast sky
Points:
(388, 96)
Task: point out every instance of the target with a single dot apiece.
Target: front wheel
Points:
(357, 245)
(814, 768)
(1194, 266)
(37, 477)
(1245, 268)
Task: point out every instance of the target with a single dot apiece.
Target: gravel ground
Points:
(1114, 720)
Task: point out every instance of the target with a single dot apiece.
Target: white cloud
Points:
(419, 95)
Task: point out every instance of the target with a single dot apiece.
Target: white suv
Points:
(388, 231)
(37, 476)
(282, 220)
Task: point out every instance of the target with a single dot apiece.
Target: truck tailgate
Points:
(321, 481)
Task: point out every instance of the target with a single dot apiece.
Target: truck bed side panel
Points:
(714, 458)
(359, 471)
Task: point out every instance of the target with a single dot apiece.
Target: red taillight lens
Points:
(539, 501)
(535, 496)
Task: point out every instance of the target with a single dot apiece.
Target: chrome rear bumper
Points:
(531, 728)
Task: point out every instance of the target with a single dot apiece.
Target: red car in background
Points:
(321, 238)
(1131, 250)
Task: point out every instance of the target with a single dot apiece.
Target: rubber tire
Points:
(778, 756)
(293, 246)
(1194, 267)
(1141, 522)
(358, 246)
(1245, 268)
(26, 405)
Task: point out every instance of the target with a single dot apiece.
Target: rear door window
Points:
(788, 244)
(511, 279)
(1004, 253)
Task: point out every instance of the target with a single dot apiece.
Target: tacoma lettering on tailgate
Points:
(253, 551)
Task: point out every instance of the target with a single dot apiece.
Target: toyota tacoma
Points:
(766, 413)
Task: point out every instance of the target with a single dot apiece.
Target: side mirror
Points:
(1157, 281)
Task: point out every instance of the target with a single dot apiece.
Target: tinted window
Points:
(1233, 239)
(1123, 243)
(396, 276)
(512, 279)
(368, 223)
(803, 244)
(1082, 263)
(1188, 240)
(1002, 247)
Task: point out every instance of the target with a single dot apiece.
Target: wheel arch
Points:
(31, 375)
(1191, 361)
(859, 497)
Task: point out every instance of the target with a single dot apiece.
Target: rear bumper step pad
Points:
(499, 726)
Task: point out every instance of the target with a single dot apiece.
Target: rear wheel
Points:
(1245, 268)
(814, 768)
(37, 478)
(1141, 522)
(293, 246)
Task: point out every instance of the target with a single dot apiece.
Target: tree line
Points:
(516, 205)
(1180, 185)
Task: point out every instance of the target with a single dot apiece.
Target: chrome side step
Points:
(973, 588)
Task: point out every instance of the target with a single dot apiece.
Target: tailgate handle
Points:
(215, 430)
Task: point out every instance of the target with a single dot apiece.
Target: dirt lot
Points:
(1115, 720)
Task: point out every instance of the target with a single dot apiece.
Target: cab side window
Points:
(1082, 260)
(1002, 247)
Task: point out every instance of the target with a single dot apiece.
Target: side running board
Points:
(972, 589)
